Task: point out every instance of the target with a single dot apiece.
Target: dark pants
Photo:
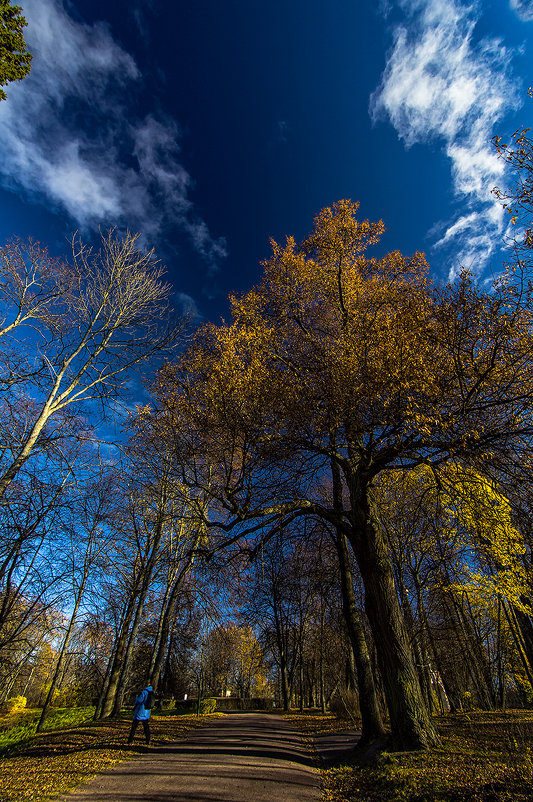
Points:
(146, 727)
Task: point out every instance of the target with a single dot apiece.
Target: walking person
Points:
(141, 713)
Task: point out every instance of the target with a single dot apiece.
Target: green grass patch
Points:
(42, 767)
(21, 726)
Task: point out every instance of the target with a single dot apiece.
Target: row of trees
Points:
(85, 532)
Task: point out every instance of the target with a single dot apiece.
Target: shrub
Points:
(208, 705)
(71, 696)
(345, 705)
(13, 705)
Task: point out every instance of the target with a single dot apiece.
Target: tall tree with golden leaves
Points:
(340, 357)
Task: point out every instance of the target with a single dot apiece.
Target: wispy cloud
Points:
(71, 138)
(440, 84)
(523, 8)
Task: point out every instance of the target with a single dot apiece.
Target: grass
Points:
(482, 757)
(20, 727)
(72, 749)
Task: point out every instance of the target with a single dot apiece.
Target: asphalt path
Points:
(243, 757)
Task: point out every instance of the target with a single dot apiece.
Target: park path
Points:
(243, 757)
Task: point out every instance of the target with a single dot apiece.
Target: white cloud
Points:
(523, 8)
(187, 305)
(68, 134)
(462, 224)
(439, 84)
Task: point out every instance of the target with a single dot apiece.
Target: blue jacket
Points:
(140, 713)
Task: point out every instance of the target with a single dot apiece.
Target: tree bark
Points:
(371, 723)
(411, 725)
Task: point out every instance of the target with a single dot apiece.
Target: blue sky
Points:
(210, 126)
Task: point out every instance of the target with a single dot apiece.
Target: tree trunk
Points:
(321, 665)
(517, 634)
(371, 723)
(500, 659)
(169, 614)
(411, 725)
(419, 654)
(125, 668)
(526, 631)
(152, 547)
(301, 677)
(471, 655)
(285, 691)
(105, 685)
(61, 660)
(431, 650)
(120, 648)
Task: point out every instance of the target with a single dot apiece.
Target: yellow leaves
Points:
(142, 412)
(476, 520)
(325, 323)
(337, 232)
(483, 589)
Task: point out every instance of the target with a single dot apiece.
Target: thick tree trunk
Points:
(371, 723)
(411, 725)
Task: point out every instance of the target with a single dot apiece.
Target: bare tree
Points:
(88, 538)
(91, 322)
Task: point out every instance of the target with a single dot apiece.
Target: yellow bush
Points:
(13, 705)
(208, 705)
